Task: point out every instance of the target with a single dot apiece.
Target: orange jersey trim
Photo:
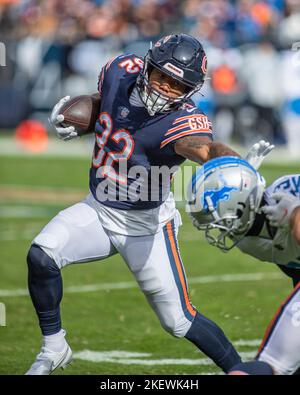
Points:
(188, 132)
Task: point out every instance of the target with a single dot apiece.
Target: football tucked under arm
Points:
(75, 117)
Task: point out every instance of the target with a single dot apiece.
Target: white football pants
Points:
(281, 344)
(76, 235)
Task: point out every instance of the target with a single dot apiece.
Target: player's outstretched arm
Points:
(201, 149)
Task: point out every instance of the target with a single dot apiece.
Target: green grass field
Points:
(116, 317)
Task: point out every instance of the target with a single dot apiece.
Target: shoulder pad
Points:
(119, 66)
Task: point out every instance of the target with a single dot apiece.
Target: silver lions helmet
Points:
(224, 196)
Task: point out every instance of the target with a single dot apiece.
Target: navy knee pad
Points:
(40, 264)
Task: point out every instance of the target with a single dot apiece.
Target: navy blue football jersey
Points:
(128, 137)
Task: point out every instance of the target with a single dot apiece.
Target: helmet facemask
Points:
(154, 101)
(182, 58)
(224, 199)
(225, 233)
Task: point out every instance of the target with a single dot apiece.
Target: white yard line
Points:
(56, 148)
(235, 278)
(24, 212)
(21, 234)
(38, 211)
(134, 358)
(247, 343)
(83, 147)
(131, 284)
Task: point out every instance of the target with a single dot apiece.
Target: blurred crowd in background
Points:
(57, 47)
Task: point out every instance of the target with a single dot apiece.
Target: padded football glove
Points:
(63, 133)
(279, 214)
(258, 152)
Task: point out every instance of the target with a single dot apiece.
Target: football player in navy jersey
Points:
(146, 121)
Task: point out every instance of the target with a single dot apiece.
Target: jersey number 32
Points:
(105, 159)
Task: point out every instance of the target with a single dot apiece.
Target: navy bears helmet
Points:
(180, 56)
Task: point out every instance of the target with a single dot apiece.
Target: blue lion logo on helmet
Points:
(216, 195)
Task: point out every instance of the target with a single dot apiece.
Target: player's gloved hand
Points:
(258, 152)
(64, 133)
(279, 214)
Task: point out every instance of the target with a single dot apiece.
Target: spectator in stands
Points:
(71, 40)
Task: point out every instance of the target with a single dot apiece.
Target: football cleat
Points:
(47, 361)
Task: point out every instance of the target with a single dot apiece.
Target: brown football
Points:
(82, 113)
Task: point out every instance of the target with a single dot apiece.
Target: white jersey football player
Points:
(235, 209)
(146, 119)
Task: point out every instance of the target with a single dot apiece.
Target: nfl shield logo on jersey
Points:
(122, 112)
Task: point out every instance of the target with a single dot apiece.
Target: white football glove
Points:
(279, 214)
(258, 152)
(63, 133)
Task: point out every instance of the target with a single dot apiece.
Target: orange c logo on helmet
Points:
(162, 40)
(204, 65)
(167, 38)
